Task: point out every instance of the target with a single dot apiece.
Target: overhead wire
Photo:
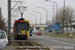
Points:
(23, 3)
(14, 7)
(18, 3)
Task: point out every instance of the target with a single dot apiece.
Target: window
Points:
(22, 26)
(2, 35)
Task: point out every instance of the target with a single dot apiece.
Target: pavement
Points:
(55, 42)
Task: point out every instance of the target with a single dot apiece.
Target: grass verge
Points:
(60, 35)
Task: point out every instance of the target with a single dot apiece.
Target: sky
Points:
(32, 6)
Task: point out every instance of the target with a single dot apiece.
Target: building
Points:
(2, 23)
(0, 11)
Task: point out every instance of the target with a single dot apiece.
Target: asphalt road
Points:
(55, 43)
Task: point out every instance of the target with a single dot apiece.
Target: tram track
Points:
(26, 45)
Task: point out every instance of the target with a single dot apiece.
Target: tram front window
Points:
(22, 26)
(2, 35)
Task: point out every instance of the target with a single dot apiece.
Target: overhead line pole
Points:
(56, 7)
(35, 16)
(15, 4)
(9, 18)
(63, 16)
(46, 16)
(40, 16)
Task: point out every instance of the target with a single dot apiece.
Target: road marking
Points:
(58, 41)
(63, 42)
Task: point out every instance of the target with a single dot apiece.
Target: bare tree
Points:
(68, 18)
(70, 15)
(2, 24)
(60, 17)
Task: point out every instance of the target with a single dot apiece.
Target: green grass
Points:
(33, 33)
(60, 35)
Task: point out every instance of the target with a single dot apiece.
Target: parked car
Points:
(38, 33)
(3, 39)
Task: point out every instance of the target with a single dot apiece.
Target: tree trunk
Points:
(71, 26)
(67, 29)
(2, 24)
(63, 28)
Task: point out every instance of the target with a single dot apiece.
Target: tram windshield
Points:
(22, 26)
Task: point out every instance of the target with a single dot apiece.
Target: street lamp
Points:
(46, 15)
(22, 9)
(40, 16)
(35, 16)
(56, 6)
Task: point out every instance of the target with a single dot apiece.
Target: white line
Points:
(62, 42)
(59, 41)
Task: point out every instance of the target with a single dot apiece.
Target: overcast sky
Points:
(32, 6)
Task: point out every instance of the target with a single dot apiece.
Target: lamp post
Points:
(40, 16)
(46, 15)
(56, 7)
(35, 16)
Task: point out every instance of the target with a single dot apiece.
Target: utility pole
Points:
(53, 12)
(63, 16)
(56, 6)
(40, 16)
(9, 18)
(46, 16)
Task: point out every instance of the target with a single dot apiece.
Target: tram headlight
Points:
(19, 33)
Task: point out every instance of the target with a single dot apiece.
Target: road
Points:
(55, 43)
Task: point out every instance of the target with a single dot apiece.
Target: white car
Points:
(3, 39)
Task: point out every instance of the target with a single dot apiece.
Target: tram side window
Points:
(2, 35)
